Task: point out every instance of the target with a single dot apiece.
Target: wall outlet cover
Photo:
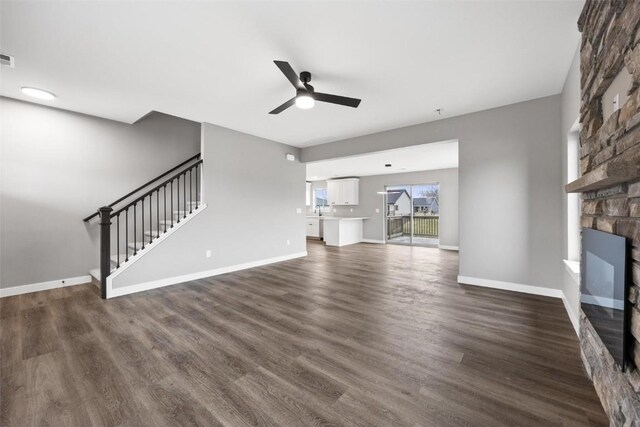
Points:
(298, 210)
(288, 242)
(208, 253)
(351, 209)
(377, 210)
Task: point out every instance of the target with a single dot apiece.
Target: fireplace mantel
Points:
(613, 172)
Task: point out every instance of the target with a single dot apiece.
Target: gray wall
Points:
(57, 167)
(252, 193)
(509, 176)
(370, 200)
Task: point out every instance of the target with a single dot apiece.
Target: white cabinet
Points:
(343, 191)
(313, 227)
(333, 192)
(309, 196)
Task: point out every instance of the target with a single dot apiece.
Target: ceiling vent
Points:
(6, 60)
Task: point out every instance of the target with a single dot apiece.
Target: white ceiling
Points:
(212, 61)
(439, 155)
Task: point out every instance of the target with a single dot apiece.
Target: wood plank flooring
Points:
(363, 335)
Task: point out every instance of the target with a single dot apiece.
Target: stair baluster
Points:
(135, 222)
(126, 235)
(157, 214)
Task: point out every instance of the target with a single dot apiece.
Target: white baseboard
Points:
(509, 286)
(116, 292)
(379, 242)
(43, 286)
(526, 289)
(448, 248)
(575, 319)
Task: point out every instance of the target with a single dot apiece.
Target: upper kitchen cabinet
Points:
(343, 191)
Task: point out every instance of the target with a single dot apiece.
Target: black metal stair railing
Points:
(115, 226)
(145, 185)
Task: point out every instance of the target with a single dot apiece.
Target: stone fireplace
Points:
(610, 181)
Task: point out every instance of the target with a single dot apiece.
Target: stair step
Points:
(95, 273)
(114, 259)
(153, 233)
(138, 245)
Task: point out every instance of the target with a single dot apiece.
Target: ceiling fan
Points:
(305, 94)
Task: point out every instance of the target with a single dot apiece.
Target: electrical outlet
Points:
(208, 253)
(334, 209)
(288, 242)
(377, 210)
(298, 210)
(351, 209)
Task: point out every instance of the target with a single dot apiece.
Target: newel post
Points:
(105, 248)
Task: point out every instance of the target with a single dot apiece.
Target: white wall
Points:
(510, 176)
(252, 193)
(57, 167)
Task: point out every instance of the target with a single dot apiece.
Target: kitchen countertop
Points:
(338, 218)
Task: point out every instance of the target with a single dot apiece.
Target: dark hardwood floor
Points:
(361, 335)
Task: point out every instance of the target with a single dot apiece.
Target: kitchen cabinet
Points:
(333, 192)
(313, 227)
(343, 192)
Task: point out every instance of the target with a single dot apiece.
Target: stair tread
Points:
(123, 257)
(95, 272)
(138, 245)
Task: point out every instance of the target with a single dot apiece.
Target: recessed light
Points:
(38, 93)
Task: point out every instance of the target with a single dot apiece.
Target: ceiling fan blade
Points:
(335, 99)
(290, 74)
(284, 106)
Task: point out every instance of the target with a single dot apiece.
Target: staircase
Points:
(132, 224)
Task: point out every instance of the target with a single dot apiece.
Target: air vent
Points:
(6, 60)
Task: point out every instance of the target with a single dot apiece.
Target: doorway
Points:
(413, 214)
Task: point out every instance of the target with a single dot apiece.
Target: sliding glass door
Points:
(412, 214)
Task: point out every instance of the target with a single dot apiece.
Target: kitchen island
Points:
(342, 231)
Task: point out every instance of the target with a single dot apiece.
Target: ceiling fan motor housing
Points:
(305, 77)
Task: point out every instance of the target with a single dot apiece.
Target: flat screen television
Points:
(604, 290)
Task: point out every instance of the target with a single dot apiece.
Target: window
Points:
(320, 197)
(572, 261)
(573, 199)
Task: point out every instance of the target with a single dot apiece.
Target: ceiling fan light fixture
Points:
(305, 101)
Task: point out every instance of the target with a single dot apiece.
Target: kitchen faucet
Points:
(319, 210)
